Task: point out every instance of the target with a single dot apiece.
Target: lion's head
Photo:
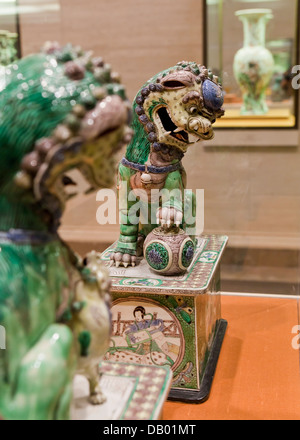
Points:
(59, 110)
(175, 109)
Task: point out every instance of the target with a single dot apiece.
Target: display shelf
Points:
(258, 370)
(276, 117)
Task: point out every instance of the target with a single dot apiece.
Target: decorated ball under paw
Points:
(169, 251)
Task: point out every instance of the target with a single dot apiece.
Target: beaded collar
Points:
(151, 168)
(23, 236)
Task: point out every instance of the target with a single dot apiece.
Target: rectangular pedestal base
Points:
(199, 396)
(174, 321)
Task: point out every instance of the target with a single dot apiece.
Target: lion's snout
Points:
(200, 125)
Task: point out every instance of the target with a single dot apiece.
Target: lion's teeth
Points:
(178, 129)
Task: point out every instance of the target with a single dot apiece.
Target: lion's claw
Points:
(168, 217)
(120, 259)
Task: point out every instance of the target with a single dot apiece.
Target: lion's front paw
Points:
(168, 217)
(119, 259)
(97, 398)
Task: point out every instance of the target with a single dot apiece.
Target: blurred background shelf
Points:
(275, 118)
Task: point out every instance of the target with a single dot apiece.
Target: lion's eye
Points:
(193, 110)
(173, 84)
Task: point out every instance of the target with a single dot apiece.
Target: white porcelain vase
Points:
(253, 64)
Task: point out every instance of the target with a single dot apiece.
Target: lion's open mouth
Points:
(170, 127)
(178, 133)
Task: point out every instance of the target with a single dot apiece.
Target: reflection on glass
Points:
(29, 12)
(274, 105)
(9, 45)
(8, 49)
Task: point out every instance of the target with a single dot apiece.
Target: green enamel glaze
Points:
(34, 115)
(84, 339)
(186, 316)
(139, 148)
(154, 105)
(42, 271)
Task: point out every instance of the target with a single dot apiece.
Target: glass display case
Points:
(253, 46)
(248, 176)
(9, 32)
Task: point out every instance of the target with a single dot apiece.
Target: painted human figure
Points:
(154, 328)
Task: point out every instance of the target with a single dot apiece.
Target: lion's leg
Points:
(97, 396)
(45, 373)
(125, 252)
(170, 212)
(189, 219)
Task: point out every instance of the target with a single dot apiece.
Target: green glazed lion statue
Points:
(61, 109)
(175, 109)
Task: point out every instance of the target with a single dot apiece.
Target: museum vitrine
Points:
(248, 174)
(9, 32)
(253, 46)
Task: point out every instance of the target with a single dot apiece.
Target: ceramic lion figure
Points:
(172, 111)
(61, 109)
